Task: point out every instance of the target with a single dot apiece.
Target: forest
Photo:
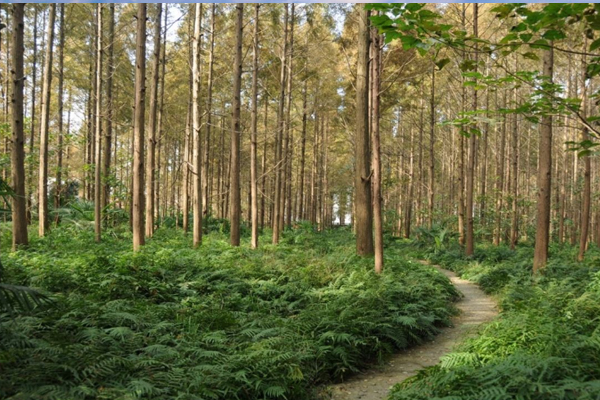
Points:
(300, 201)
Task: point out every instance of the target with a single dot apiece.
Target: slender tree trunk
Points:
(45, 124)
(303, 151)
(500, 173)
(287, 179)
(514, 178)
(19, 208)
(109, 106)
(431, 148)
(540, 256)
(376, 151)
(209, 89)
(278, 164)
(61, 46)
(470, 247)
(264, 166)
(197, 158)
(152, 125)
(411, 187)
(587, 174)
(98, 133)
(253, 140)
(29, 178)
(235, 132)
(138, 131)
(362, 178)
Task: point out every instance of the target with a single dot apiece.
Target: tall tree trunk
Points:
(500, 173)
(470, 247)
(209, 89)
(514, 178)
(376, 150)
(197, 157)
(235, 132)
(287, 160)
(19, 208)
(587, 174)
(98, 133)
(411, 187)
(61, 46)
(263, 188)
(300, 213)
(540, 255)
(279, 139)
(431, 147)
(253, 139)
(138, 130)
(152, 125)
(45, 124)
(108, 132)
(362, 177)
(30, 186)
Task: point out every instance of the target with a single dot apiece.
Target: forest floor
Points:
(475, 308)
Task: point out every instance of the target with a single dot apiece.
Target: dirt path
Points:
(476, 308)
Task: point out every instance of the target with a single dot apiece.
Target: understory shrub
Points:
(212, 323)
(544, 345)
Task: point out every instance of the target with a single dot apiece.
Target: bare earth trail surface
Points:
(475, 308)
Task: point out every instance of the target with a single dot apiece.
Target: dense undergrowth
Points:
(212, 323)
(544, 345)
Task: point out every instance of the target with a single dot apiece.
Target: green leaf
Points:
(442, 63)
(531, 56)
(595, 45)
(554, 34)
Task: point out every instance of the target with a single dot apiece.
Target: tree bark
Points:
(138, 131)
(253, 139)
(279, 139)
(98, 133)
(19, 208)
(587, 174)
(197, 137)
(152, 125)
(540, 255)
(59, 167)
(362, 177)
(45, 123)
(110, 69)
(431, 147)
(206, 199)
(235, 211)
(376, 150)
(470, 246)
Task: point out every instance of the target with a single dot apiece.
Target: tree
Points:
(138, 130)
(376, 150)
(19, 208)
(253, 139)
(542, 235)
(470, 247)
(196, 132)
(152, 126)
(110, 114)
(60, 95)
(45, 125)
(235, 210)
(362, 175)
(587, 174)
(98, 134)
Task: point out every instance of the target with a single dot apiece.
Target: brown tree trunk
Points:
(587, 174)
(30, 185)
(59, 166)
(109, 106)
(279, 157)
(206, 199)
(470, 246)
(362, 174)
(138, 131)
(540, 256)
(235, 212)
(253, 138)
(300, 213)
(376, 151)
(19, 208)
(500, 173)
(152, 125)
(197, 137)
(98, 133)
(431, 148)
(45, 124)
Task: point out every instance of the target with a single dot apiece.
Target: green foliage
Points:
(212, 323)
(545, 344)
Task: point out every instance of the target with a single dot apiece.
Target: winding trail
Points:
(475, 308)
